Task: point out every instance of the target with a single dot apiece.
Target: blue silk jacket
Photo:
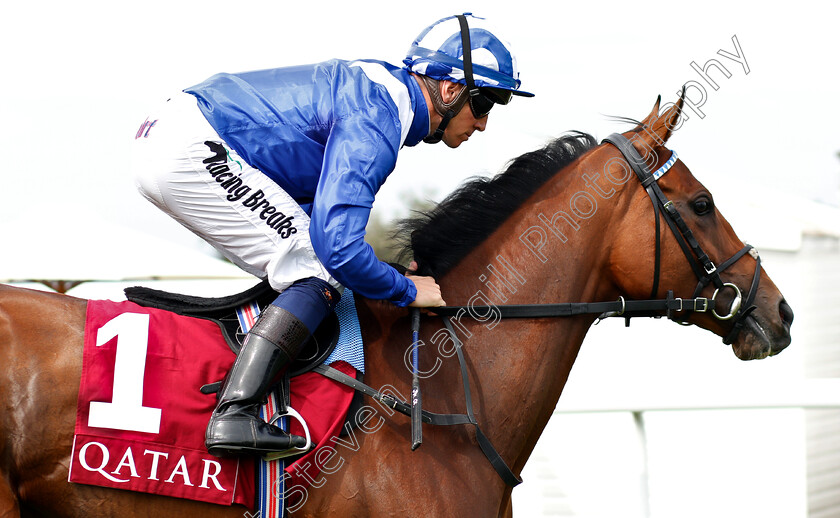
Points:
(329, 135)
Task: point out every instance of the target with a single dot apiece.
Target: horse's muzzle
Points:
(762, 339)
(786, 313)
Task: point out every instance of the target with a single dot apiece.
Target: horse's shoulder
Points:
(377, 317)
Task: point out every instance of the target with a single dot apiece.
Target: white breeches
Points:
(183, 167)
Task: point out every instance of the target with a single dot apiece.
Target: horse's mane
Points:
(440, 238)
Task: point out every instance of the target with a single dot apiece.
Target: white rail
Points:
(723, 395)
(796, 393)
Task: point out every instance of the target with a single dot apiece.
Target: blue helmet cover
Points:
(437, 52)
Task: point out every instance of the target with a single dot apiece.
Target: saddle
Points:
(222, 311)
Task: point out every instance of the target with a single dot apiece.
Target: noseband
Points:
(703, 267)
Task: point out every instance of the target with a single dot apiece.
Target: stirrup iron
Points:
(290, 412)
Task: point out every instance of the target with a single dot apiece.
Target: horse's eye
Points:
(703, 206)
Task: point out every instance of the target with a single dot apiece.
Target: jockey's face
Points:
(462, 126)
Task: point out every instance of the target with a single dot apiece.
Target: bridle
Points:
(703, 267)
(700, 263)
(705, 270)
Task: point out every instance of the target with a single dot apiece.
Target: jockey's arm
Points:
(360, 154)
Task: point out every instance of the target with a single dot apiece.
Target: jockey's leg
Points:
(187, 170)
(273, 342)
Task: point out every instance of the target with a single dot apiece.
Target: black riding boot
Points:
(235, 427)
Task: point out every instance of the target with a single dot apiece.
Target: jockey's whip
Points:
(416, 403)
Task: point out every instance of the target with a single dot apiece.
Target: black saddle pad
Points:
(209, 307)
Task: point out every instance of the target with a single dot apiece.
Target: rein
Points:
(703, 268)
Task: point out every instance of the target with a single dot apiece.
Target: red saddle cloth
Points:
(140, 417)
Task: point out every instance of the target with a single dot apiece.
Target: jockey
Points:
(278, 169)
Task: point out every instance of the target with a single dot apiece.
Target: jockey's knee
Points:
(310, 300)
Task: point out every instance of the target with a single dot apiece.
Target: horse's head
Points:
(692, 249)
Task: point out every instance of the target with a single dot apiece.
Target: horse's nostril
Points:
(786, 312)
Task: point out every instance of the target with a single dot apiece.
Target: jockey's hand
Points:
(428, 291)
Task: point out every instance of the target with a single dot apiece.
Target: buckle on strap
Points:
(703, 303)
(710, 269)
(623, 306)
(704, 307)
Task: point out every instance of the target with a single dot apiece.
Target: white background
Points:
(78, 77)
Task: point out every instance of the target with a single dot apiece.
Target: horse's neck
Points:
(523, 364)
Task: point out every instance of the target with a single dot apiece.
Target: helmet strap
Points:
(444, 109)
(466, 49)
(449, 110)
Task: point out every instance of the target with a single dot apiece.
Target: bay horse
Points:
(568, 223)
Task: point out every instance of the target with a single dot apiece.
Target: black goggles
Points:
(482, 100)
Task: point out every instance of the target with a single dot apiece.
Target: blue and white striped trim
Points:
(350, 348)
(270, 482)
(666, 166)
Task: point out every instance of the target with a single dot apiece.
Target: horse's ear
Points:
(657, 128)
